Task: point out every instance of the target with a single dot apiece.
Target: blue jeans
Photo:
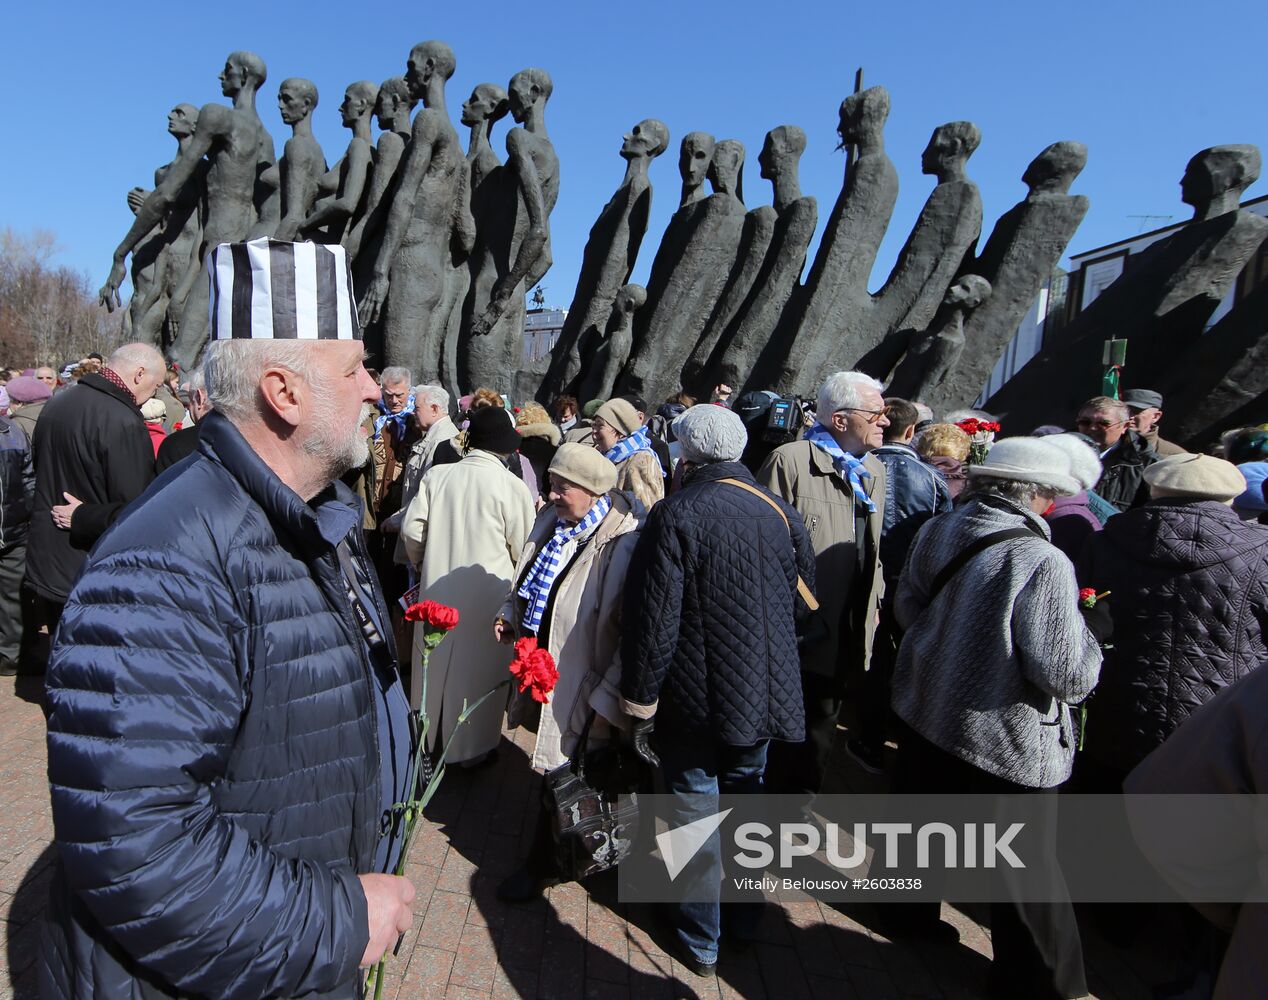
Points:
(696, 772)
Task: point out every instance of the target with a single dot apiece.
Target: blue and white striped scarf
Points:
(640, 440)
(846, 464)
(540, 578)
(399, 421)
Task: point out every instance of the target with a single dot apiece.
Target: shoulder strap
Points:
(968, 552)
(803, 588)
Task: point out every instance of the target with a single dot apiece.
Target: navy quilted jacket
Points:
(212, 747)
(709, 634)
(1189, 584)
(17, 483)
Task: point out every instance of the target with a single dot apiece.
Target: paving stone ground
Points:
(579, 941)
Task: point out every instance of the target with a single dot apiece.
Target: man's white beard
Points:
(338, 449)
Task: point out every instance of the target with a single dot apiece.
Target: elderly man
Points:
(435, 447)
(1146, 410)
(47, 375)
(709, 646)
(1125, 454)
(395, 432)
(225, 748)
(840, 492)
(183, 442)
(93, 457)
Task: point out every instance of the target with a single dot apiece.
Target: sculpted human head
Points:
(630, 299)
(863, 115)
(1217, 173)
(694, 156)
(358, 101)
(527, 88)
(243, 70)
(968, 291)
(1054, 170)
(181, 120)
(296, 98)
(488, 103)
(727, 166)
(394, 100)
(427, 60)
(781, 151)
(648, 138)
(949, 147)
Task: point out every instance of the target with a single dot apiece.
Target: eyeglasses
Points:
(872, 415)
(395, 395)
(1099, 425)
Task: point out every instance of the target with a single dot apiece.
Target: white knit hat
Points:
(1029, 460)
(710, 433)
(153, 409)
(1085, 463)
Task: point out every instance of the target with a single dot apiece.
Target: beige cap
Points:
(1200, 477)
(584, 466)
(620, 414)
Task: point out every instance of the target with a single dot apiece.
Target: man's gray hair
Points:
(844, 391)
(233, 369)
(425, 395)
(395, 375)
(136, 355)
(197, 380)
(1020, 493)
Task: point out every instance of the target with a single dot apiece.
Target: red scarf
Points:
(114, 380)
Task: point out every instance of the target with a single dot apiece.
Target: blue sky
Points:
(1144, 86)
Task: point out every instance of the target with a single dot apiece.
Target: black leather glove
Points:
(1098, 620)
(640, 735)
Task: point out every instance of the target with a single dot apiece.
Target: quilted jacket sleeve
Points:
(145, 702)
(1057, 652)
(653, 612)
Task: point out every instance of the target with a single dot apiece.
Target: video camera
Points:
(785, 418)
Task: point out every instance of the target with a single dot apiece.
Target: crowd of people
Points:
(721, 583)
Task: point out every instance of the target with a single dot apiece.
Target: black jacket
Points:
(177, 445)
(709, 633)
(1189, 599)
(1122, 482)
(17, 484)
(213, 753)
(90, 442)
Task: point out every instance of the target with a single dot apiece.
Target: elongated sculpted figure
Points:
(238, 151)
(303, 164)
(932, 356)
(414, 255)
(607, 262)
(392, 108)
(342, 188)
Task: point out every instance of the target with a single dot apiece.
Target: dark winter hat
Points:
(491, 428)
(1142, 399)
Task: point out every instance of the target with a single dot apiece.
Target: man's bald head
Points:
(141, 367)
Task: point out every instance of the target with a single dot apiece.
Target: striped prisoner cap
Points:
(266, 289)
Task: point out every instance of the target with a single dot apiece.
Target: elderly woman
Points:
(621, 436)
(568, 590)
(995, 650)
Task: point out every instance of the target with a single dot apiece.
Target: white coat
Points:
(463, 532)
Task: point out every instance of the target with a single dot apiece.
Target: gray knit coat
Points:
(987, 671)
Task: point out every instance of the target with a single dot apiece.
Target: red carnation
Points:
(535, 669)
(433, 614)
(1087, 597)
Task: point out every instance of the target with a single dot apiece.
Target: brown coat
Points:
(848, 584)
(641, 475)
(584, 630)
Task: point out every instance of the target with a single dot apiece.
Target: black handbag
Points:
(593, 807)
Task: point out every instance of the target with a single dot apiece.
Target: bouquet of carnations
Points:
(981, 436)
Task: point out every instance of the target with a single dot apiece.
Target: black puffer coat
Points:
(1189, 583)
(708, 627)
(213, 752)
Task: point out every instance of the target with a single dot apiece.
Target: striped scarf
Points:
(640, 440)
(399, 421)
(540, 579)
(849, 467)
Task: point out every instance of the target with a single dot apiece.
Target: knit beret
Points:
(621, 415)
(591, 408)
(1199, 477)
(27, 389)
(1029, 460)
(153, 409)
(1085, 464)
(709, 433)
(585, 467)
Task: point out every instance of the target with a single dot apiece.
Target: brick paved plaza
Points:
(577, 942)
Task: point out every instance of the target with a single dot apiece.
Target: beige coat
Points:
(642, 475)
(463, 531)
(584, 631)
(849, 585)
